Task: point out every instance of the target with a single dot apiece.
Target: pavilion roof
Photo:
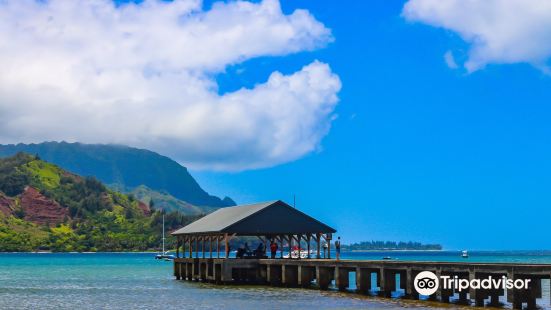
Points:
(265, 218)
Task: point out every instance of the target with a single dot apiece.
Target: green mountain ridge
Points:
(165, 201)
(124, 167)
(44, 207)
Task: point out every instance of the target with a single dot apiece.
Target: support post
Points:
(318, 242)
(196, 247)
(473, 294)
(210, 246)
(308, 237)
(217, 246)
(323, 277)
(387, 282)
(178, 247)
(289, 274)
(203, 246)
(290, 245)
(329, 249)
(299, 242)
(184, 247)
(274, 274)
(281, 246)
(410, 290)
(227, 244)
(305, 275)
(363, 280)
(341, 278)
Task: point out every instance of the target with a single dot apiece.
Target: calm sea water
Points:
(137, 281)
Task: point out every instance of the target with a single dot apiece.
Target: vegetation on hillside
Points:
(124, 168)
(98, 219)
(167, 202)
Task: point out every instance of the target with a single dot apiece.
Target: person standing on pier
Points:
(273, 249)
(338, 248)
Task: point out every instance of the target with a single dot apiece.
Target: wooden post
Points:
(178, 247)
(184, 247)
(318, 241)
(281, 247)
(290, 246)
(191, 249)
(308, 244)
(227, 243)
(196, 247)
(299, 245)
(217, 246)
(210, 246)
(203, 245)
(329, 249)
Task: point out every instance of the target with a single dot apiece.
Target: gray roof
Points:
(271, 217)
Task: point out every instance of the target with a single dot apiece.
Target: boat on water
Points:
(464, 254)
(299, 253)
(164, 255)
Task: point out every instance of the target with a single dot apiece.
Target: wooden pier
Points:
(283, 226)
(390, 277)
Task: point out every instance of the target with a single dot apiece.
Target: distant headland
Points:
(391, 246)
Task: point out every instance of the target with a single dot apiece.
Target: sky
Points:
(421, 120)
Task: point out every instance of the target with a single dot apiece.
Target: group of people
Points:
(244, 250)
(260, 251)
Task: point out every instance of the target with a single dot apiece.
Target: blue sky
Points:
(421, 120)
(419, 151)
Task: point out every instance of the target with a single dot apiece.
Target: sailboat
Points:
(164, 254)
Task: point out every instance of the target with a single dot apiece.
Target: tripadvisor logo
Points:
(427, 283)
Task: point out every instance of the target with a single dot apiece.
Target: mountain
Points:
(43, 207)
(165, 201)
(123, 167)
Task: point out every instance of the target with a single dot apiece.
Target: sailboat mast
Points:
(163, 232)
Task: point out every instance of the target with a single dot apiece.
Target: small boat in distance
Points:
(296, 252)
(464, 254)
(387, 257)
(164, 254)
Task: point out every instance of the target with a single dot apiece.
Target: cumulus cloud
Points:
(144, 75)
(499, 31)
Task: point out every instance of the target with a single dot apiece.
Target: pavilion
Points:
(272, 220)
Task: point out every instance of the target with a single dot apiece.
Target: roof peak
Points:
(270, 217)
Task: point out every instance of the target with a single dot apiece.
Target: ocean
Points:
(138, 281)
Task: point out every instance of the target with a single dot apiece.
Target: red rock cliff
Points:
(41, 210)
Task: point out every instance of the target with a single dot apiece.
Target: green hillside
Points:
(167, 202)
(43, 207)
(123, 167)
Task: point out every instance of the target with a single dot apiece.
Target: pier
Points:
(382, 278)
(277, 222)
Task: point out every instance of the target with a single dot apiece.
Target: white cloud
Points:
(143, 75)
(499, 31)
(450, 60)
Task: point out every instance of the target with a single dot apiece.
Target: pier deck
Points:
(379, 277)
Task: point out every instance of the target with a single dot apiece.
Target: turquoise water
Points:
(137, 281)
(532, 257)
